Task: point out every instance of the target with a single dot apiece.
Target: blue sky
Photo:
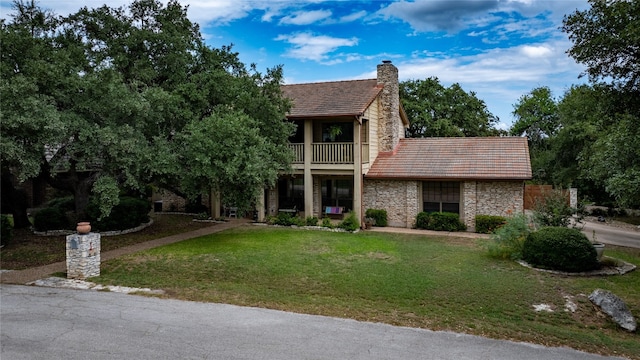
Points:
(499, 49)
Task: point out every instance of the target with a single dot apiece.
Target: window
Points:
(441, 196)
(337, 192)
(291, 193)
(298, 136)
(337, 132)
(364, 134)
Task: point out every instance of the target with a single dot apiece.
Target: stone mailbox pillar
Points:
(83, 255)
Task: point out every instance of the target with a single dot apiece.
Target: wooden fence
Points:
(534, 192)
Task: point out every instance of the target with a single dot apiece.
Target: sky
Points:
(498, 49)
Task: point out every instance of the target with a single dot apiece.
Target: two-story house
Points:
(351, 153)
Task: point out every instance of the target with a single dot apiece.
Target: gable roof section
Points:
(490, 158)
(337, 98)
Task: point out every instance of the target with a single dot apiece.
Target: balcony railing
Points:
(329, 153)
(298, 153)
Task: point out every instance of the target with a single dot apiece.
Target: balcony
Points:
(329, 153)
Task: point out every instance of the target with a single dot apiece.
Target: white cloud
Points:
(536, 51)
(307, 46)
(498, 76)
(353, 17)
(306, 17)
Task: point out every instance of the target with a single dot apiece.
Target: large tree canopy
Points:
(606, 38)
(112, 98)
(434, 110)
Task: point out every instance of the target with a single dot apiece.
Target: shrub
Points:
(379, 216)
(311, 221)
(439, 221)
(65, 204)
(195, 208)
(286, 219)
(350, 222)
(560, 248)
(50, 218)
(326, 222)
(507, 241)
(6, 230)
(486, 224)
(129, 213)
(553, 209)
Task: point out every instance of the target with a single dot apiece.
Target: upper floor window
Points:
(298, 136)
(337, 132)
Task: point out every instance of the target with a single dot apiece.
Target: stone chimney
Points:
(390, 123)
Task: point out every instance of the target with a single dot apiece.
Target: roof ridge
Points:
(331, 82)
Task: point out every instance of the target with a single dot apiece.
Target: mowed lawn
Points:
(439, 283)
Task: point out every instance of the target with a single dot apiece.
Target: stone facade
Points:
(170, 201)
(402, 199)
(388, 129)
(501, 198)
(469, 204)
(83, 256)
(399, 198)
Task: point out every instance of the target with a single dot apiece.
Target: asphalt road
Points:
(612, 235)
(55, 323)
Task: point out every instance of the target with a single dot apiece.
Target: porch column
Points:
(357, 170)
(308, 178)
(214, 203)
(260, 206)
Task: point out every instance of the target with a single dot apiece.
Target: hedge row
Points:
(439, 221)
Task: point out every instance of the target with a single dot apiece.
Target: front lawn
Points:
(418, 281)
(29, 250)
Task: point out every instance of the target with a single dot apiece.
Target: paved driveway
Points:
(612, 235)
(55, 323)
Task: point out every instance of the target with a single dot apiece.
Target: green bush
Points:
(50, 218)
(507, 241)
(311, 221)
(326, 222)
(486, 224)
(378, 215)
(350, 222)
(553, 209)
(65, 204)
(286, 219)
(6, 230)
(195, 208)
(439, 221)
(129, 213)
(559, 248)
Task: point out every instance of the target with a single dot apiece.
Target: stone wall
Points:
(501, 198)
(401, 200)
(388, 129)
(170, 201)
(398, 198)
(469, 204)
(83, 256)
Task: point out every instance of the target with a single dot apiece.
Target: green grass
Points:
(28, 250)
(408, 280)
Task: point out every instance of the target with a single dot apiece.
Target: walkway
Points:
(33, 274)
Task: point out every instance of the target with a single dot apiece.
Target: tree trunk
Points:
(17, 202)
(81, 195)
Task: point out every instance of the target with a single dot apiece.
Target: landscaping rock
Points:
(614, 307)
